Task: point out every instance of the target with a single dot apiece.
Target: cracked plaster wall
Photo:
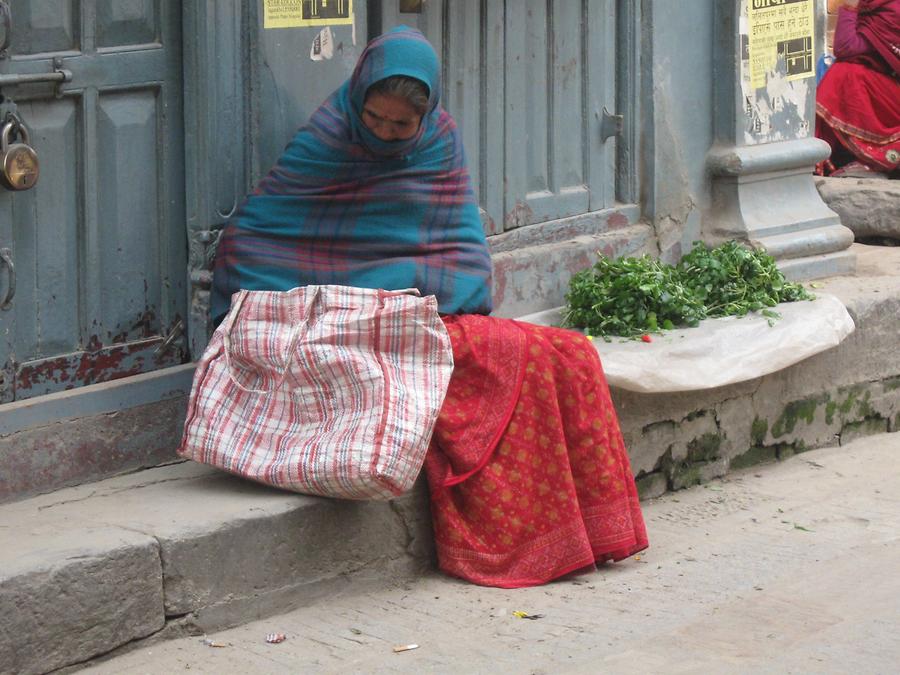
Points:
(679, 106)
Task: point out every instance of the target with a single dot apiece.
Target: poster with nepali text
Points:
(301, 13)
(781, 30)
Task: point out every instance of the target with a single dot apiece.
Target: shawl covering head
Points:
(879, 23)
(343, 207)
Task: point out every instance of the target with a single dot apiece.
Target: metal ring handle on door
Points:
(6, 258)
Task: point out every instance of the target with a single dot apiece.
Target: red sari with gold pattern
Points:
(528, 473)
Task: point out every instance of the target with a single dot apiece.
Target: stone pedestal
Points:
(761, 166)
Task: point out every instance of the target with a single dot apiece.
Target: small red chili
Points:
(646, 338)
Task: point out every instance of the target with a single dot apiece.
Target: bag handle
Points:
(298, 332)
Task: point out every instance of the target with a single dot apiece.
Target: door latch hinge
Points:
(610, 125)
(173, 335)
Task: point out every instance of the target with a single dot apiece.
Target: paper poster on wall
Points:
(302, 13)
(322, 47)
(781, 29)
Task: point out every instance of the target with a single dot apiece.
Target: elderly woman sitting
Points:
(528, 473)
(858, 101)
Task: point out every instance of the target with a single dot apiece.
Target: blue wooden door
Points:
(527, 81)
(98, 246)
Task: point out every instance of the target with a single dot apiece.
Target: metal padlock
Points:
(19, 166)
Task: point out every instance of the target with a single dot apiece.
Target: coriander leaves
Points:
(629, 297)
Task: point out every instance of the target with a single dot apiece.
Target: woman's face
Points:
(390, 118)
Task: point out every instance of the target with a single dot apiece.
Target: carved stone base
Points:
(765, 195)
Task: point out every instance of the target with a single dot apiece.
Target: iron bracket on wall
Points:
(610, 125)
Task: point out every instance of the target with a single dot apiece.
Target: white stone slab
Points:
(720, 352)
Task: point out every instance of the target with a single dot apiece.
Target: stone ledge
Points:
(67, 595)
(89, 569)
(535, 278)
(719, 352)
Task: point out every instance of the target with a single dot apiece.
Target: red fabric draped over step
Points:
(528, 472)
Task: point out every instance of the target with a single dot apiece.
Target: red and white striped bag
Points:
(325, 390)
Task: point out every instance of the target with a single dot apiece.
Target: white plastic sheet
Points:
(720, 352)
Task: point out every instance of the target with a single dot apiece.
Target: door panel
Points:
(99, 244)
(568, 127)
(46, 256)
(126, 22)
(548, 59)
(602, 47)
(472, 59)
(527, 82)
(127, 258)
(41, 26)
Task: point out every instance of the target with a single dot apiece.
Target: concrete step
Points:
(184, 549)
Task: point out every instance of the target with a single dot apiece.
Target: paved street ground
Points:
(791, 567)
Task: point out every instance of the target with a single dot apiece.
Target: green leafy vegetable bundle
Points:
(629, 297)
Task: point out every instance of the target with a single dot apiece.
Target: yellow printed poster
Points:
(301, 13)
(781, 29)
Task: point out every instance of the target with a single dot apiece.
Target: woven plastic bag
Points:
(324, 390)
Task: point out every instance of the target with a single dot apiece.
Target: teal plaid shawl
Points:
(343, 207)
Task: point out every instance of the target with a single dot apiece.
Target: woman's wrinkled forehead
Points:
(402, 51)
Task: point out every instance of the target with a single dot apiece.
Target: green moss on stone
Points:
(804, 409)
(786, 450)
(685, 475)
(664, 463)
(863, 408)
(830, 409)
(891, 384)
(758, 431)
(867, 427)
(651, 485)
(755, 455)
(848, 403)
(705, 448)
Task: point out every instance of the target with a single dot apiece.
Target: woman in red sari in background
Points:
(858, 100)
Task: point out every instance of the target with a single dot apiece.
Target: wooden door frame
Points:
(218, 52)
(215, 51)
(629, 95)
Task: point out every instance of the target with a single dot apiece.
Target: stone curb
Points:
(86, 570)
